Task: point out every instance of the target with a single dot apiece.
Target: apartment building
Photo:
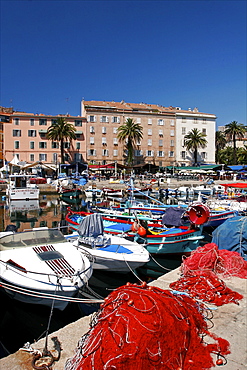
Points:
(186, 120)
(164, 129)
(25, 137)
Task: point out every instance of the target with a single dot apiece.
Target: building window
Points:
(16, 133)
(160, 122)
(172, 122)
(104, 119)
(92, 152)
(54, 157)
(78, 123)
(92, 118)
(66, 145)
(160, 153)
(78, 146)
(105, 152)
(183, 130)
(138, 120)
(78, 157)
(195, 120)
(172, 142)
(55, 145)
(92, 130)
(204, 120)
(42, 145)
(115, 119)
(160, 132)
(149, 142)
(103, 130)
(149, 131)
(17, 145)
(103, 140)
(53, 121)
(42, 157)
(204, 131)
(66, 157)
(149, 153)
(92, 140)
(115, 141)
(115, 130)
(160, 142)
(31, 121)
(32, 133)
(31, 157)
(183, 119)
(115, 153)
(31, 144)
(42, 121)
(150, 121)
(16, 121)
(183, 154)
(172, 133)
(204, 155)
(138, 153)
(171, 153)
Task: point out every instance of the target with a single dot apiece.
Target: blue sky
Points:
(180, 53)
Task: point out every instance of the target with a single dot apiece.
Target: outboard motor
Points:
(11, 227)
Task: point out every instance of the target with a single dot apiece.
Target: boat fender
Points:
(142, 231)
(198, 214)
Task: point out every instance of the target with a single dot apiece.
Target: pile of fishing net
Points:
(140, 327)
(201, 273)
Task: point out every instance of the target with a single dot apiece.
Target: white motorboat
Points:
(93, 192)
(20, 188)
(40, 266)
(114, 253)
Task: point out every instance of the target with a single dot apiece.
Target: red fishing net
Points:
(140, 327)
(200, 271)
(210, 258)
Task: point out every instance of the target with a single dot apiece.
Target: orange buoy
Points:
(142, 231)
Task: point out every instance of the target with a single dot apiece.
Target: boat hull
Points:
(39, 297)
(22, 194)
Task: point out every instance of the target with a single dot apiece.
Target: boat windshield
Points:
(30, 238)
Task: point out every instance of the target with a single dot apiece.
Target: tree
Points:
(234, 131)
(61, 130)
(220, 143)
(193, 140)
(130, 133)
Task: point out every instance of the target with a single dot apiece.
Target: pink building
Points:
(25, 137)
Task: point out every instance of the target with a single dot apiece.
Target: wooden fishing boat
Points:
(172, 236)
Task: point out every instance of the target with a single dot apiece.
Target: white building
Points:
(186, 120)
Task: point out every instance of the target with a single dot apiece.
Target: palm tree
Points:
(130, 133)
(220, 142)
(234, 131)
(193, 140)
(61, 130)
